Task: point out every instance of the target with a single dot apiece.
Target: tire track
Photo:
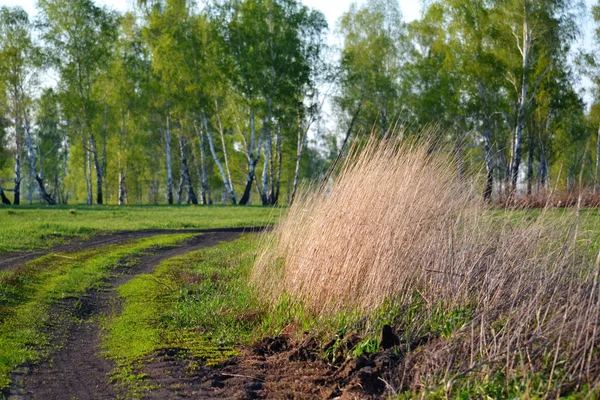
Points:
(76, 370)
(14, 259)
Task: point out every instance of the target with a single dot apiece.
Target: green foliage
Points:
(372, 61)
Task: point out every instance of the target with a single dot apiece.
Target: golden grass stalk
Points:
(396, 222)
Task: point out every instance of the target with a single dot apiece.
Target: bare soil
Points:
(275, 368)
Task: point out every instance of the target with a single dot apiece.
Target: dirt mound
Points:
(275, 368)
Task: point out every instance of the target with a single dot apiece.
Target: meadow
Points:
(26, 227)
(412, 290)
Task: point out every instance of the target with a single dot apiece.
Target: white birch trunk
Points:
(218, 161)
(521, 107)
(168, 158)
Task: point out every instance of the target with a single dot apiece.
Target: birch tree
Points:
(374, 48)
(533, 37)
(80, 36)
(20, 63)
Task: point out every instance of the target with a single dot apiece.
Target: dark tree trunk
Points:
(17, 196)
(168, 157)
(45, 196)
(248, 188)
(99, 172)
(279, 168)
(530, 155)
(489, 165)
(5, 199)
(103, 159)
(122, 191)
(253, 158)
(185, 173)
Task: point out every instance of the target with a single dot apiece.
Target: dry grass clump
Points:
(396, 225)
(389, 210)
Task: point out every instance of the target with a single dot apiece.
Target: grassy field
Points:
(533, 310)
(26, 227)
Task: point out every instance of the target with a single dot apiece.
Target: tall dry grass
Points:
(397, 224)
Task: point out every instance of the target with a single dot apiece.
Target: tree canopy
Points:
(239, 101)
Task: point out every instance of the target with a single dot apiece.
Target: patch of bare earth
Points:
(275, 368)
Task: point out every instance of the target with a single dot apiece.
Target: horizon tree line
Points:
(205, 102)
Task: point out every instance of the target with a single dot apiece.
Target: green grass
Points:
(25, 227)
(203, 305)
(199, 303)
(28, 293)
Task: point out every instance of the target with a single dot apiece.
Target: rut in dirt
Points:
(13, 259)
(76, 370)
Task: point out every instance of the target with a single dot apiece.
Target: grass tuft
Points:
(482, 296)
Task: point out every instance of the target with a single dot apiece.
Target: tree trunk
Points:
(299, 152)
(543, 171)
(185, 173)
(202, 199)
(521, 108)
(122, 192)
(265, 173)
(45, 196)
(489, 163)
(17, 193)
(33, 167)
(180, 189)
(384, 127)
(86, 169)
(225, 156)
(168, 156)
(103, 159)
(218, 161)
(530, 155)
(597, 161)
(253, 159)
(98, 166)
(205, 197)
(279, 167)
(122, 196)
(3, 197)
